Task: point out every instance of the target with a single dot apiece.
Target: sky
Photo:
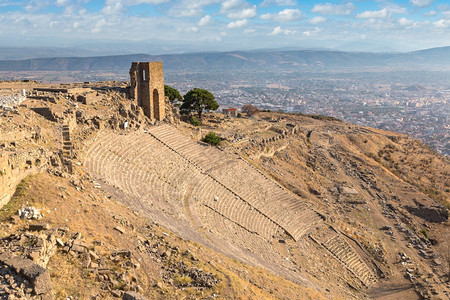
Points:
(205, 25)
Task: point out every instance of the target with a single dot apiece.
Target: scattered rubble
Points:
(30, 213)
(11, 100)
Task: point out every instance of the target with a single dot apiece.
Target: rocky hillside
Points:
(111, 211)
(385, 190)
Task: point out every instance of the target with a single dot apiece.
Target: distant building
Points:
(230, 112)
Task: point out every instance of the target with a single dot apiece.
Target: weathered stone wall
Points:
(46, 112)
(147, 88)
(11, 174)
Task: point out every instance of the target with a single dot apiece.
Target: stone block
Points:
(78, 248)
(39, 278)
(38, 227)
(37, 275)
(120, 229)
(133, 296)
(19, 264)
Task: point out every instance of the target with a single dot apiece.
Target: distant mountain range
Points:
(240, 60)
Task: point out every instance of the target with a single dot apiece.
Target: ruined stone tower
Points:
(147, 88)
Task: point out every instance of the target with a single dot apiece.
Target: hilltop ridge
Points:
(239, 60)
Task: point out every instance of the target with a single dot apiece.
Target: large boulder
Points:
(434, 214)
(133, 296)
(38, 276)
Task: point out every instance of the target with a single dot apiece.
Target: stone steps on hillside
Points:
(338, 246)
(67, 148)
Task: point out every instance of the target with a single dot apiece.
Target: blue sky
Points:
(189, 25)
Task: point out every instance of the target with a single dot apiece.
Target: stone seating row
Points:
(285, 209)
(236, 234)
(217, 197)
(117, 150)
(136, 165)
(252, 186)
(130, 167)
(342, 250)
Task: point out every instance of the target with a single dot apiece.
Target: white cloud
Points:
(189, 8)
(99, 26)
(62, 2)
(237, 24)
(442, 24)
(137, 2)
(430, 13)
(95, 25)
(317, 20)
(36, 5)
(277, 30)
(378, 14)
(245, 13)
(407, 23)
(250, 30)
(286, 15)
(334, 9)
(267, 3)
(192, 29)
(117, 6)
(238, 9)
(206, 20)
(113, 7)
(421, 3)
(312, 32)
(233, 5)
(395, 8)
(376, 24)
(69, 10)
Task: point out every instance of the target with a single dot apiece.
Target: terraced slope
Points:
(245, 182)
(342, 251)
(175, 192)
(213, 195)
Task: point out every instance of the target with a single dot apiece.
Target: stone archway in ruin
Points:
(143, 94)
(156, 104)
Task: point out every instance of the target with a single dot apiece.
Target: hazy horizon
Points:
(166, 26)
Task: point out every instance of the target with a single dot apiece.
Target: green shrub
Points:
(212, 139)
(194, 121)
(325, 118)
